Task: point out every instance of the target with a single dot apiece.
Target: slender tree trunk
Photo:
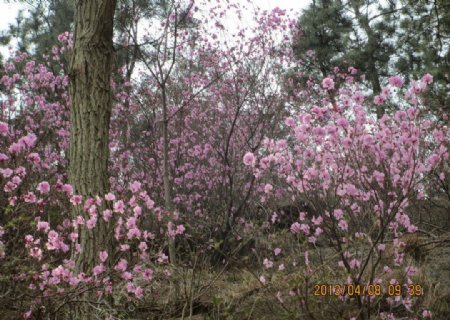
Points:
(91, 103)
(168, 203)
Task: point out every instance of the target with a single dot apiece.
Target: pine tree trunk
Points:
(91, 103)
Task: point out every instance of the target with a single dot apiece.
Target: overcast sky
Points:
(8, 11)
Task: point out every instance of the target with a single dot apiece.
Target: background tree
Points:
(377, 39)
(36, 31)
(324, 28)
(423, 32)
(37, 27)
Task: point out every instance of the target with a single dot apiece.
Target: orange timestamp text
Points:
(371, 290)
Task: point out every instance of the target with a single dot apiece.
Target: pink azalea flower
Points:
(378, 100)
(358, 97)
(126, 275)
(103, 255)
(28, 141)
(142, 246)
(427, 79)
(3, 128)
(76, 200)
(268, 188)
(180, 229)
(131, 222)
(352, 70)
(135, 186)
(249, 159)
(124, 247)
(304, 228)
(36, 253)
(267, 263)
(317, 221)
(110, 197)
(295, 228)
(150, 203)
(328, 84)
(44, 187)
(121, 266)
(312, 239)
(98, 269)
(137, 210)
(318, 231)
(43, 226)
(139, 292)
(34, 157)
(147, 274)
(91, 222)
(354, 263)
(119, 206)
(67, 188)
(396, 81)
(133, 233)
(163, 258)
(30, 197)
(427, 314)
(343, 225)
(16, 180)
(290, 122)
(338, 214)
(107, 214)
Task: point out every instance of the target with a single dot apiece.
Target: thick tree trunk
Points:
(91, 103)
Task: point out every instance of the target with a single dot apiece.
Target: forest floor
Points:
(236, 293)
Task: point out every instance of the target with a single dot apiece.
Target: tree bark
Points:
(91, 103)
(168, 201)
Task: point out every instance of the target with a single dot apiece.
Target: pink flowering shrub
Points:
(208, 176)
(38, 236)
(359, 176)
(239, 146)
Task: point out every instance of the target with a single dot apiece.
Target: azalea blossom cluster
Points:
(34, 126)
(360, 176)
(34, 140)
